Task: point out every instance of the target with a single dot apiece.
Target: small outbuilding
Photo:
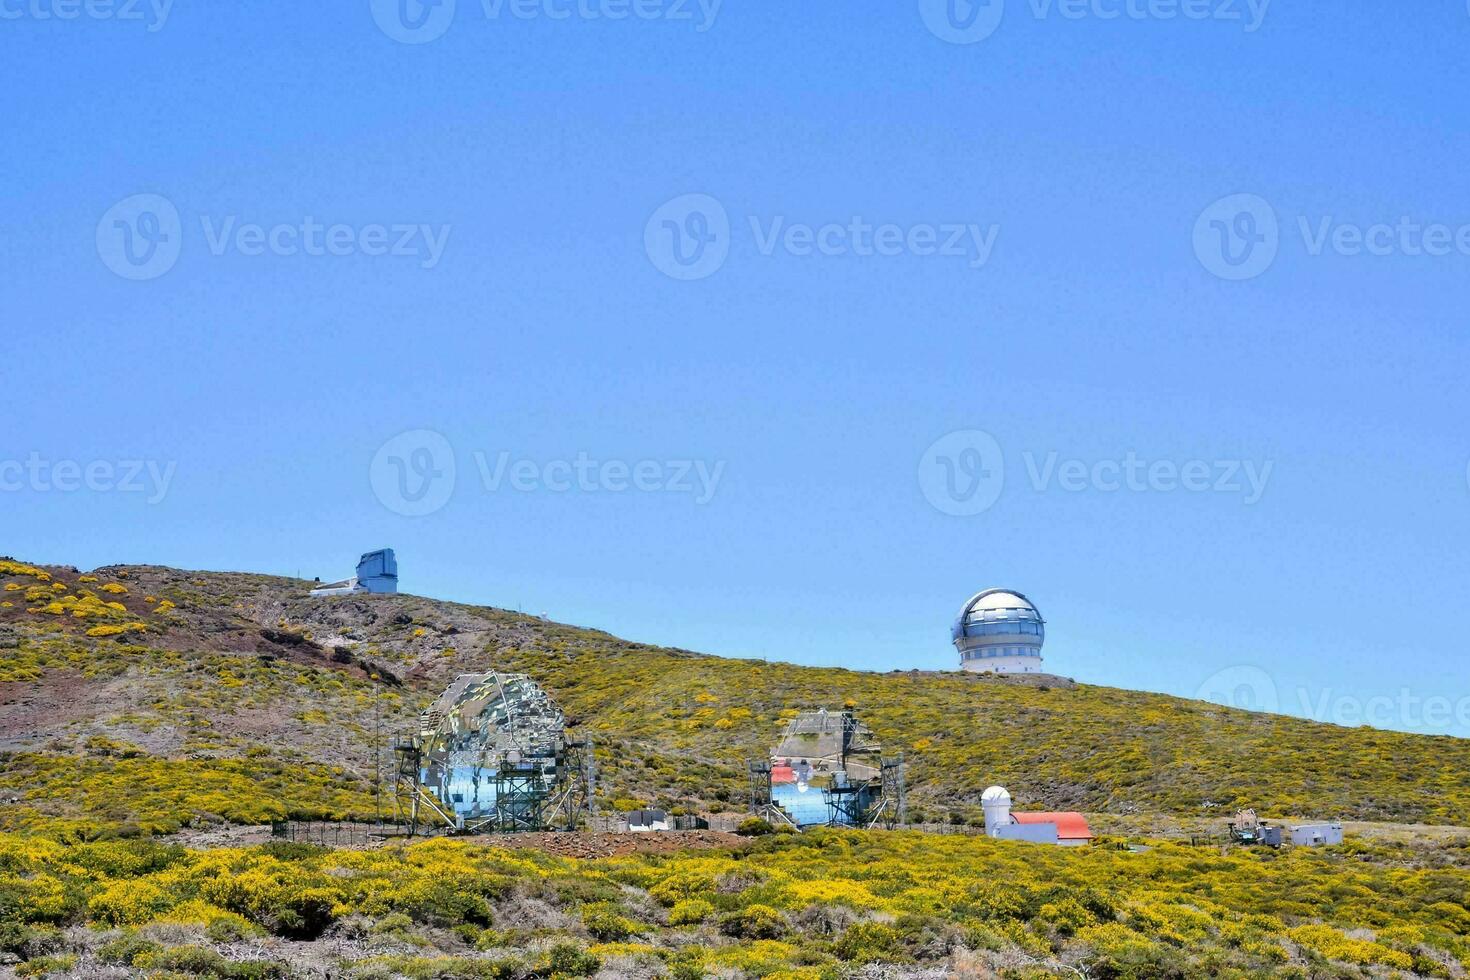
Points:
(647, 821)
(1067, 829)
(1316, 834)
(1072, 829)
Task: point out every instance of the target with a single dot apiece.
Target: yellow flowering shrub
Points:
(1331, 944)
(690, 911)
(787, 906)
(8, 567)
(117, 630)
(128, 902)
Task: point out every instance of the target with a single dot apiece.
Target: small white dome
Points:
(996, 794)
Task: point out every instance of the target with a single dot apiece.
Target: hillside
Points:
(145, 698)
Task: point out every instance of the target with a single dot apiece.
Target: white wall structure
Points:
(999, 631)
(1316, 834)
(647, 821)
(1031, 833)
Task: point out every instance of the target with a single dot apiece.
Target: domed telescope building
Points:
(999, 632)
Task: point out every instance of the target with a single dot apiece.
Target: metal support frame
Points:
(521, 796)
(758, 776)
(529, 796)
(847, 806)
(879, 800)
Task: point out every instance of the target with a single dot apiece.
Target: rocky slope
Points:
(147, 698)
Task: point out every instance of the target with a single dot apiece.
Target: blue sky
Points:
(1103, 299)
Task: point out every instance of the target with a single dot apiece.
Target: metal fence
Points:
(343, 834)
(614, 823)
(336, 834)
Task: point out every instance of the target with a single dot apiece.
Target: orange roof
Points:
(1070, 826)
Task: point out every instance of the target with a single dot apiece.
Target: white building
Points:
(1316, 834)
(1065, 829)
(999, 632)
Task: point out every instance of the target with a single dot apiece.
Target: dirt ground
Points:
(1171, 827)
(578, 845)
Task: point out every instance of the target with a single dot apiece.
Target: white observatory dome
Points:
(996, 802)
(999, 631)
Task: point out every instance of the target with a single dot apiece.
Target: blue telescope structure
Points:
(377, 573)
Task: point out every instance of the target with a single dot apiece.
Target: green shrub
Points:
(126, 948)
(1066, 916)
(754, 827)
(566, 960)
(46, 965)
(607, 925)
(869, 942)
(754, 922)
(690, 911)
(201, 962)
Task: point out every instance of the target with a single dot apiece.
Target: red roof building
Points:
(1071, 827)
